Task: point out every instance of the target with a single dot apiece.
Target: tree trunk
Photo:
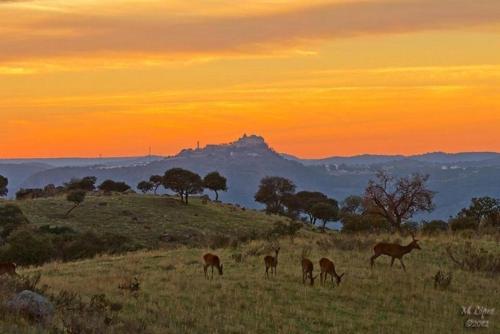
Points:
(186, 196)
(69, 211)
(216, 196)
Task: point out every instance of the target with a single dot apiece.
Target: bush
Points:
(463, 223)
(472, 258)
(11, 217)
(434, 226)
(89, 244)
(57, 230)
(26, 247)
(352, 223)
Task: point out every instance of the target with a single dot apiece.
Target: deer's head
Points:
(414, 243)
(339, 278)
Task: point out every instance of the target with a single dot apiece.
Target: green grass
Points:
(175, 297)
(145, 218)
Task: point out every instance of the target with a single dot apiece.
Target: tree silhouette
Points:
(76, 197)
(398, 199)
(326, 211)
(157, 181)
(145, 186)
(4, 182)
(110, 186)
(86, 184)
(183, 182)
(215, 182)
(273, 191)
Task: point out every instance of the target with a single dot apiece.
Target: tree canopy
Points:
(113, 186)
(4, 182)
(145, 186)
(398, 199)
(87, 184)
(183, 182)
(76, 197)
(215, 182)
(156, 180)
(272, 192)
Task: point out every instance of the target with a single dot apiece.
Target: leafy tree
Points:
(145, 186)
(86, 184)
(76, 197)
(272, 192)
(156, 180)
(183, 182)
(23, 194)
(352, 205)
(434, 226)
(307, 200)
(483, 210)
(113, 186)
(4, 182)
(215, 182)
(398, 199)
(326, 211)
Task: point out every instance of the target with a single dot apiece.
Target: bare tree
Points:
(398, 199)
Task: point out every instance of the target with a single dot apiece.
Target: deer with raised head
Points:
(211, 260)
(328, 268)
(8, 268)
(307, 271)
(271, 262)
(395, 251)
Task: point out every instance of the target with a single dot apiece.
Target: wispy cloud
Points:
(66, 35)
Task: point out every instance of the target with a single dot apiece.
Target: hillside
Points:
(174, 297)
(145, 219)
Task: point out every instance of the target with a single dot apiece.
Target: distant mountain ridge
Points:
(455, 177)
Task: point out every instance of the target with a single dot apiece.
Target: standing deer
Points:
(395, 251)
(271, 262)
(8, 268)
(307, 270)
(328, 268)
(211, 260)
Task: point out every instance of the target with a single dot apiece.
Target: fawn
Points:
(395, 251)
(307, 270)
(328, 268)
(212, 260)
(271, 262)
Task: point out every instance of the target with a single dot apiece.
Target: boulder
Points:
(32, 305)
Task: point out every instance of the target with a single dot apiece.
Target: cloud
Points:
(72, 35)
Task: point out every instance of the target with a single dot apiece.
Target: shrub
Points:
(11, 217)
(281, 229)
(434, 226)
(89, 244)
(353, 223)
(113, 186)
(472, 258)
(463, 223)
(57, 230)
(27, 248)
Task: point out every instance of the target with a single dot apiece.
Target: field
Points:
(175, 297)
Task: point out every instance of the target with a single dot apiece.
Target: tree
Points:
(156, 180)
(272, 191)
(145, 186)
(352, 205)
(183, 182)
(86, 184)
(326, 212)
(113, 186)
(307, 200)
(398, 199)
(76, 197)
(4, 182)
(482, 211)
(215, 182)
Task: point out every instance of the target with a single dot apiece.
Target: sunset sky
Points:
(316, 78)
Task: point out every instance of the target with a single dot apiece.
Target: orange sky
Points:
(315, 78)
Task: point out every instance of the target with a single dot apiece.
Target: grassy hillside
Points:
(175, 298)
(145, 218)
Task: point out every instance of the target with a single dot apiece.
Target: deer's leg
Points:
(303, 277)
(205, 270)
(392, 261)
(267, 272)
(402, 264)
(212, 272)
(372, 259)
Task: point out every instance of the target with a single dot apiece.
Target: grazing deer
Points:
(395, 251)
(271, 262)
(307, 271)
(328, 268)
(8, 268)
(211, 260)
